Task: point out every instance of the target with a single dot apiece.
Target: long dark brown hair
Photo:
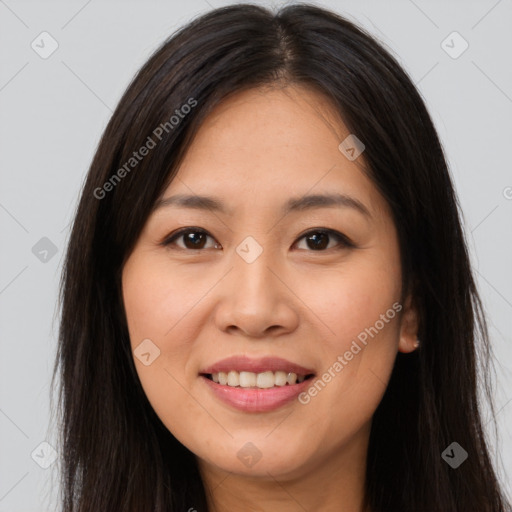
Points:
(115, 453)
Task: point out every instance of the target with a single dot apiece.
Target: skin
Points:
(255, 151)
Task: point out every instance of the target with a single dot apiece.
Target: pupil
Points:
(189, 237)
(320, 240)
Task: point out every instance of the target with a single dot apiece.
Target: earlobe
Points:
(409, 328)
(408, 344)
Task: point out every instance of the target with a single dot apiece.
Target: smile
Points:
(255, 385)
(263, 380)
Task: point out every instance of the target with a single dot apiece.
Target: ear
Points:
(409, 327)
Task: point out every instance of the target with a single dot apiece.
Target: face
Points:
(279, 283)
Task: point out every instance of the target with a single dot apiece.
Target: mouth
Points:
(262, 380)
(256, 385)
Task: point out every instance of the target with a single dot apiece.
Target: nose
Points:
(256, 299)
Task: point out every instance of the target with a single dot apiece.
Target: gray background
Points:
(54, 110)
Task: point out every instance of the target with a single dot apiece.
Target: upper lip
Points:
(263, 364)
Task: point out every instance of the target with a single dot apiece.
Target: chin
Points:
(259, 459)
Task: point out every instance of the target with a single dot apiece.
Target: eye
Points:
(193, 238)
(317, 240)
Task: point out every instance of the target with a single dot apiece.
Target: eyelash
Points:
(343, 240)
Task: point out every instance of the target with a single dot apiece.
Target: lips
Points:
(264, 364)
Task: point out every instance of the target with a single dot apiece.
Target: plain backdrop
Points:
(54, 109)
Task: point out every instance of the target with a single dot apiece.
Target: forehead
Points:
(272, 144)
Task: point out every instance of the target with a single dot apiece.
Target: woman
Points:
(267, 300)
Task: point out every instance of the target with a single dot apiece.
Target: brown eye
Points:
(316, 240)
(319, 240)
(192, 238)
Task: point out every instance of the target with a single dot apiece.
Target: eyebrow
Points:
(309, 202)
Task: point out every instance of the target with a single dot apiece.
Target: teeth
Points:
(262, 380)
(233, 379)
(247, 379)
(280, 379)
(265, 380)
(291, 378)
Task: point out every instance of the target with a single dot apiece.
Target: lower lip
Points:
(255, 399)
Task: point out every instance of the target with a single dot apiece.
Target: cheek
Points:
(360, 311)
(155, 305)
(353, 300)
(157, 299)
